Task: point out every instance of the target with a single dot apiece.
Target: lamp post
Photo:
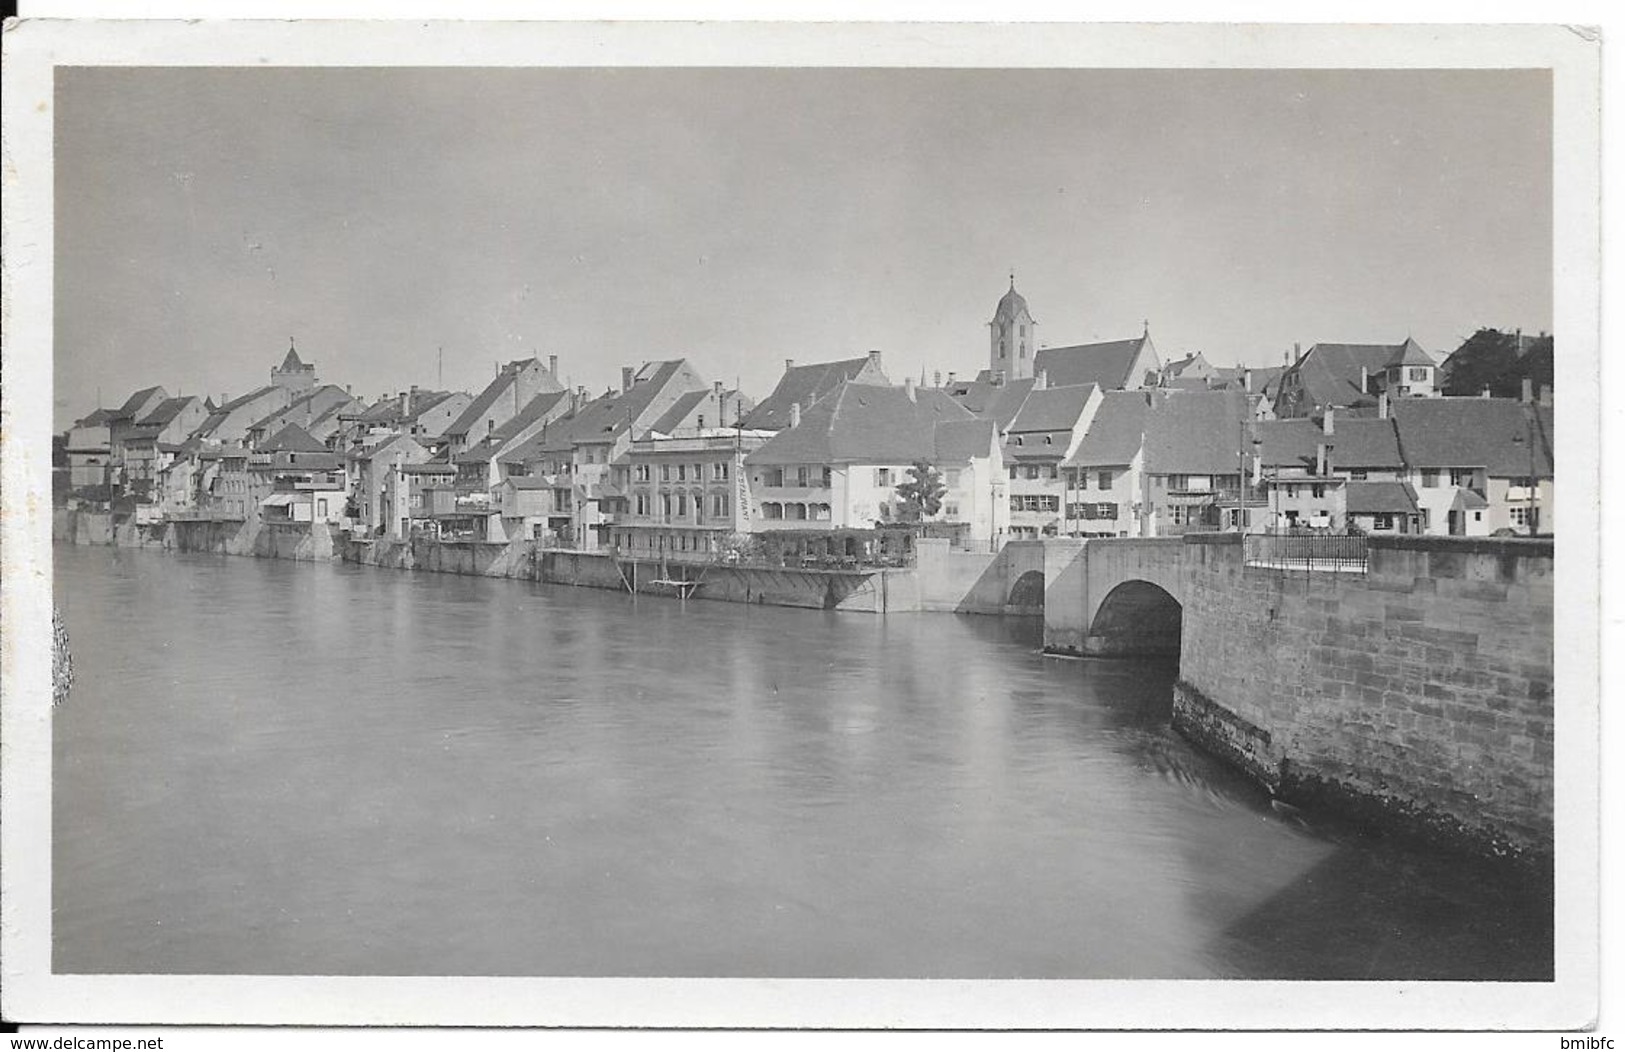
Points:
(1528, 439)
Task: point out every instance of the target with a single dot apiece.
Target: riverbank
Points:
(942, 580)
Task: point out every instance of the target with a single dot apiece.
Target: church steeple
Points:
(1011, 336)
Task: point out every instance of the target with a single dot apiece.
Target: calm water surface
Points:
(271, 767)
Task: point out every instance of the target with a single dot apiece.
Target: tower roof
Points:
(1012, 305)
(291, 362)
(1409, 353)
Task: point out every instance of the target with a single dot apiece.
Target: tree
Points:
(1499, 361)
(920, 497)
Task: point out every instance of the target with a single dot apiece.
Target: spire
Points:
(1012, 279)
(1147, 331)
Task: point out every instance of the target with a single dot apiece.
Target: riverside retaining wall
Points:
(1419, 692)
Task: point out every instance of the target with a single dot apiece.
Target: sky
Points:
(391, 220)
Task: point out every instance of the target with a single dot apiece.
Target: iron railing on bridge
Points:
(1329, 552)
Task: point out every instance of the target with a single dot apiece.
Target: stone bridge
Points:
(1114, 596)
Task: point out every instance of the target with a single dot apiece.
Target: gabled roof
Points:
(864, 423)
(1364, 442)
(532, 411)
(1051, 409)
(960, 440)
(1492, 433)
(1330, 372)
(1368, 498)
(292, 439)
(606, 417)
(528, 482)
(499, 386)
(800, 384)
(132, 405)
(673, 418)
(166, 411)
(1195, 432)
(1106, 365)
(97, 418)
(1288, 443)
(999, 402)
(1116, 431)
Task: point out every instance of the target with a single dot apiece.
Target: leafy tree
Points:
(920, 497)
(1490, 358)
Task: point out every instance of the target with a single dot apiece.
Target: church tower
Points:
(1011, 337)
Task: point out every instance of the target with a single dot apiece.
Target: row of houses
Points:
(1086, 440)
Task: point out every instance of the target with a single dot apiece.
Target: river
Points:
(283, 768)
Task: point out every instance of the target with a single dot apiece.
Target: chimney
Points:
(936, 377)
(716, 391)
(789, 363)
(1528, 391)
(950, 376)
(1297, 353)
(406, 405)
(1546, 397)
(1247, 380)
(1326, 423)
(1382, 406)
(908, 387)
(1320, 458)
(795, 414)
(1365, 380)
(1486, 392)
(874, 359)
(626, 378)
(553, 365)
(1039, 381)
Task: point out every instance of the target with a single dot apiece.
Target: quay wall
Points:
(1416, 694)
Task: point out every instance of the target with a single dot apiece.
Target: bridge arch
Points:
(1026, 594)
(1136, 617)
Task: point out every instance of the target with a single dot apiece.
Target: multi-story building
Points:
(508, 393)
(1352, 375)
(686, 492)
(1479, 466)
(1104, 476)
(371, 466)
(802, 385)
(1197, 445)
(1045, 432)
(315, 411)
(840, 462)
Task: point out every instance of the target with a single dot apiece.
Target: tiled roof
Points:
(1287, 443)
(1366, 498)
(497, 388)
(528, 482)
(1051, 409)
(1410, 353)
(799, 385)
(1115, 433)
(430, 467)
(1330, 372)
(291, 362)
(960, 440)
(97, 418)
(1106, 365)
(1195, 432)
(1366, 442)
(673, 418)
(1011, 305)
(293, 439)
(533, 411)
(864, 423)
(166, 411)
(132, 405)
(1493, 433)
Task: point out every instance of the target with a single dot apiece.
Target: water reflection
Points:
(279, 768)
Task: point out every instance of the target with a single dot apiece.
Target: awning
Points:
(279, 500)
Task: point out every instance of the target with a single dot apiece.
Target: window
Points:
(1430, 479)
(825, 476)
(1103, 480)
(321, 508)
(801, 477)
(883, 476)
(641, 473)
(719, 470)
(772, 510)
(1035, 502)
(1317, 491)
(1461, 476)
(699, 472)
(1382, 522)
(1054, 471)
(643, 503)
(1292, 489)
(951, 509)
(699, 507)
(1520, 517)
(1420, 373)
(665, 473)
(1357, 476)
(1030, 471)
(1049, 440)
(682, 473)
(1012, 471)
(1001, 349)
(1180, 482)
(682, 504)
(1018, 440)
(719, 505)
(665, 505)
(773, 477)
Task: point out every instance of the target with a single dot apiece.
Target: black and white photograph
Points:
(630, 523)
